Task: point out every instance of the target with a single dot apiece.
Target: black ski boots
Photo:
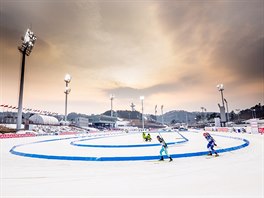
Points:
(161, 158)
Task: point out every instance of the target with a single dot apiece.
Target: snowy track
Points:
(108, 148)
(236, 173)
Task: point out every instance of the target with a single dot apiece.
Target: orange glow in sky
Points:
(172, 52)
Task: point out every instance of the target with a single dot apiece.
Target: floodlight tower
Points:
(67, 80)
(162, 119)
(227, 112)
(238, 111)
(111, 99)
(142, 105)
(202, 108)
(203, 111)
(253, 113)
(156, 106)
(222, 108)
(26, 48)
(132, 106)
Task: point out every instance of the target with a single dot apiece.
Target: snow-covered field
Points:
(238, 173)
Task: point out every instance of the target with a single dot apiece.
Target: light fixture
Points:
(67, 79)
(142, 104)
(26, 48)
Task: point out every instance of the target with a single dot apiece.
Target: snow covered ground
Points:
(238, 173)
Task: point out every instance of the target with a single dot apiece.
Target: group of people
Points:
(146, 137)
(164, 147)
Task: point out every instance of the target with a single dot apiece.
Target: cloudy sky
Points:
(172, 52)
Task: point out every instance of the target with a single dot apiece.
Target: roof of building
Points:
(43, 119)
(102, 119)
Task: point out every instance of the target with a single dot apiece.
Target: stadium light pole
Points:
(156, 106)
(162, 119)
(202, 108)
(238, 111)
(203, 114)
(67, 80)
(142, 105)
(222, 108)
(26, 48)
(227, 112)
(253, 113)
(111, 99)
(132, 105)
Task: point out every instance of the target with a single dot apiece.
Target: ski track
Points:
(236, 174)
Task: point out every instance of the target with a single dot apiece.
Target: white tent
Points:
(43, 119)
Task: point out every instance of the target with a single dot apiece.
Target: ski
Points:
(211, 156)
(160, 161)
(165, 161)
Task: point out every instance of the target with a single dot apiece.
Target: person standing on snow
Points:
(164, 148)
(148, 138)
(211, 143)
(144, 136)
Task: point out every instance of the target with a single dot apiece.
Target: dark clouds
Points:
(230, 33)
(243, 58)
(151, 48)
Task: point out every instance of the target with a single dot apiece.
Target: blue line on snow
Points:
(128, 158)
(123, 146)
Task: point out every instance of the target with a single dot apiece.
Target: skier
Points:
(164, 148)
(148, 138)
(144, 136)
(211, 144)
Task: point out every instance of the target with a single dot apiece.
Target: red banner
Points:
(261, 130)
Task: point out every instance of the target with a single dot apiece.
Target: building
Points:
(82, 122)
(102, 121)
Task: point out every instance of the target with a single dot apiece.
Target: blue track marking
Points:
(125, 158)
(122, 146)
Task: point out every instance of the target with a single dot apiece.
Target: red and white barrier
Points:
(68, 133)
(261, 130)
(9, 135)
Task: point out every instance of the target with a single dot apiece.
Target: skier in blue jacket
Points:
(211, 143)
(164, 148)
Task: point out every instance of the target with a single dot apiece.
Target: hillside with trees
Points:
(181, 116)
